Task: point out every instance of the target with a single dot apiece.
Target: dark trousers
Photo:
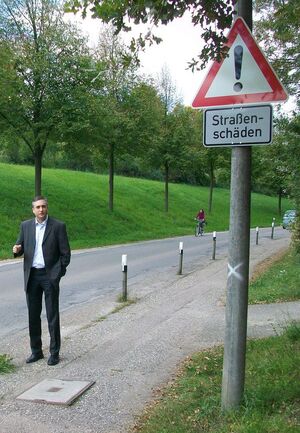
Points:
(38, 284)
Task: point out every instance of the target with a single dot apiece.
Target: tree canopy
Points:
(211, 16)
(42, 62)
(277, 28)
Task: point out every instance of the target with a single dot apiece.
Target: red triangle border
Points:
(278, 92)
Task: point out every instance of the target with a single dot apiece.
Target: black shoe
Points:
(34, 357)
(53, 359)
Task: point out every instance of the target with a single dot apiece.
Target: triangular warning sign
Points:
(244, 77)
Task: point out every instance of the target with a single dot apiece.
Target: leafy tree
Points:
(200, 164)
(214, 159)
(115, 77)
(292, 136)
(271, 169)
(208, 163)
(42, 61)
(277, 28)
(145, 111)
(167, 148)
(211, 17)
(167, 90)
(275, 167)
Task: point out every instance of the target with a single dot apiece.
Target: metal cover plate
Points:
(56, 391)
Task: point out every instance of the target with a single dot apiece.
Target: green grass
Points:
(281, 282)
(6, 365)
(81, 200)
(272, 394)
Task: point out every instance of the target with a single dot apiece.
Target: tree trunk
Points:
(166, 186)
(38, 171)
(211, 185)
(111, 177)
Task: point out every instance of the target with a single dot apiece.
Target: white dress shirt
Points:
(38, 257)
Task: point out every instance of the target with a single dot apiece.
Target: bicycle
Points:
(199, 229)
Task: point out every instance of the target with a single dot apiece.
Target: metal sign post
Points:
(233, 379)
(237, 279)
(230, 88)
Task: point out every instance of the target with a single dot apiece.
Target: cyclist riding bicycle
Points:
(200, 217)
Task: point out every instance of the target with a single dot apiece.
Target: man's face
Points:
(40, 210)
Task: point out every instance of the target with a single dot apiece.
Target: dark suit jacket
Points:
(56, 249)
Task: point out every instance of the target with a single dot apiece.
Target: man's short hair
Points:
(39, 197)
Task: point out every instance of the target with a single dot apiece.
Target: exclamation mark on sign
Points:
(238, 58)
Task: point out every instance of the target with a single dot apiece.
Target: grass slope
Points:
(81, 200)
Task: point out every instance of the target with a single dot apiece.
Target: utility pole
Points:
(238, 264)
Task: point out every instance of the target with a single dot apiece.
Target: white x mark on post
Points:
(232, 271)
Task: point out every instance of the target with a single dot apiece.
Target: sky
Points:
(181, 42)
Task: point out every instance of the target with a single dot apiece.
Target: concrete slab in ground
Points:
(56, 391)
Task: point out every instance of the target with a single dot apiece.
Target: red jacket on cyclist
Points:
(201, 215)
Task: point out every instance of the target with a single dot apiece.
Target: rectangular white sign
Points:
(238, 125)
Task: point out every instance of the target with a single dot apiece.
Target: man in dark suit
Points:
(44, 242)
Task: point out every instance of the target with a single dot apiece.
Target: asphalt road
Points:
(93, 273)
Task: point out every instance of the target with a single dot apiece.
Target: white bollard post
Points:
(273, 225)
(257, 232)
(124, 270)
(214, 245)
(180, 258)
